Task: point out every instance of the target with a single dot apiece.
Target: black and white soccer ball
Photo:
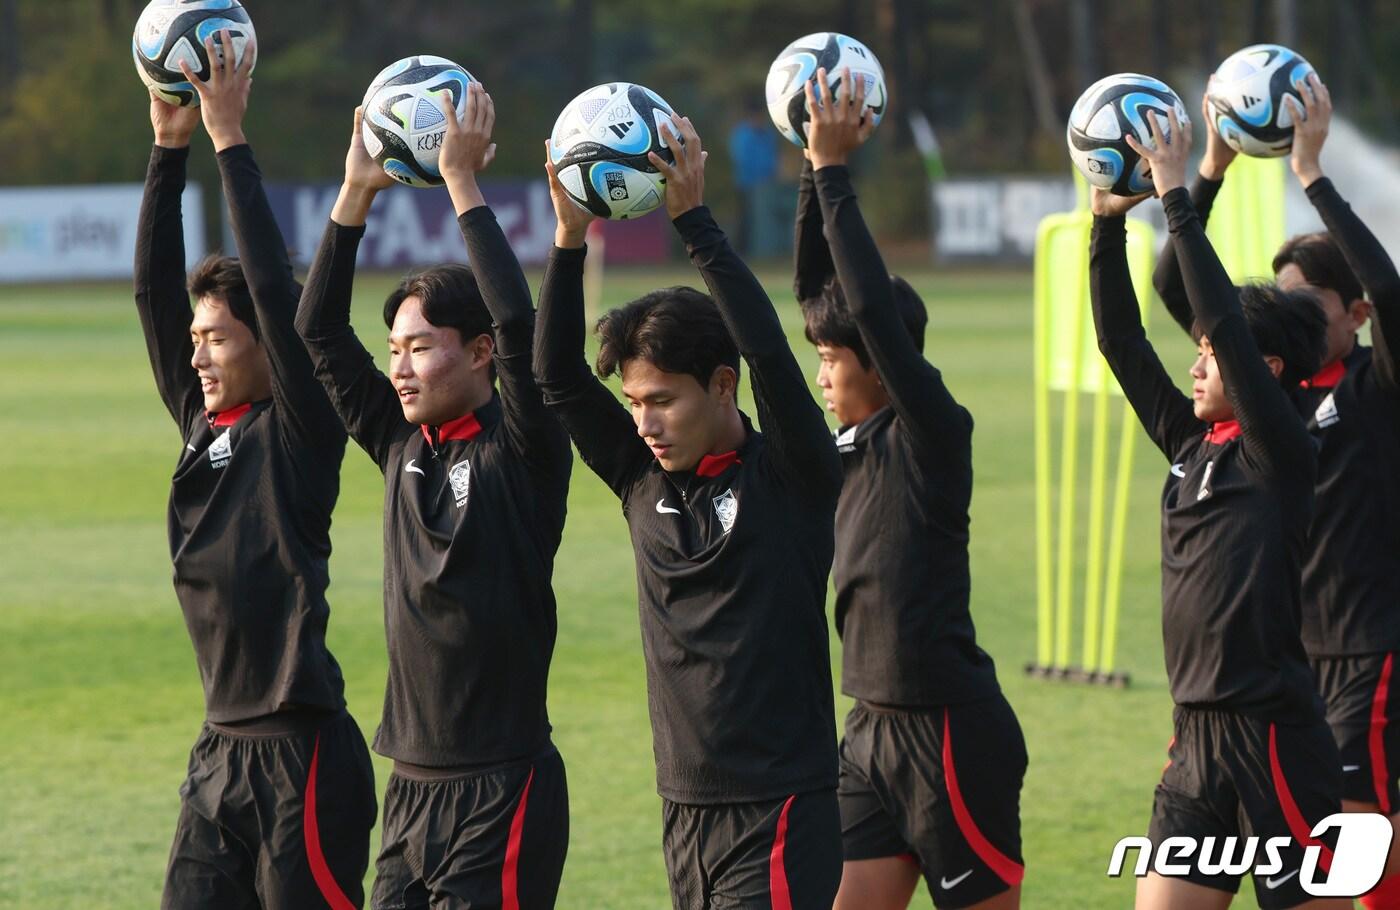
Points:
(1108, 111)
(798, 64)
(599, 147)
(1246, 98)
(403, 123)
(170, 31)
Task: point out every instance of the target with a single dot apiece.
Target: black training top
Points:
(1238, 498)
(251, 500)
(732, 558)
(473, 514)
(901, 568)
(1351, 576)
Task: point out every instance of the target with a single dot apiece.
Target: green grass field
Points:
(100, 699)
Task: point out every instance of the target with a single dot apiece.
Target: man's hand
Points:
(466, 146)
(836, 126)
(1108, 204)
(685, 180)
(1311, 121)
(1167, 159)
(173, 126)
(364, 178)
(1218, 154)
(223, 99)
(571, 230)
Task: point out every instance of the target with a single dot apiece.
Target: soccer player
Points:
(732, 530)
(933, 757)
(1252, 755)
(476, 813)
(1351, 575)
(279, 801)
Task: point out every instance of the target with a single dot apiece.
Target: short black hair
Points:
(450, 298)
(678, 329)
(1321, 261)
(221, 277)
(828, 319)
(1289, 325)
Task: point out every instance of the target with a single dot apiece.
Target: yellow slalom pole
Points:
(1116, 538)
(1093, 572)
(1069, 455)
(1044, 607)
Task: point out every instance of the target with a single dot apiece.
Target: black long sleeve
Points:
(1274, 437)
(1167, 276)
(937, 424)
(534, 433)
(362, 396)
(1375, 270)
(1165, 413)
(600, 426)
(302, 405)
(790, 419)
(813, 265)
(161, 299)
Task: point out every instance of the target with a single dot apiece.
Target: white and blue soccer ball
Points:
(170, 31)
(403, 122)
(599, 147)
(1110, 110)
(798, 64)
(1246, 98)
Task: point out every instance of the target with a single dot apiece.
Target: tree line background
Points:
(995, 77)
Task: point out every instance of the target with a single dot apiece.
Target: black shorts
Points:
(783, 854)
(940, 786)
(1229, 775)
(278, 820)
(493, 838)
(1363, 710)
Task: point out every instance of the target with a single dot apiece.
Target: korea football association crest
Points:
(460, 478)
(221, 450)
(726, 509)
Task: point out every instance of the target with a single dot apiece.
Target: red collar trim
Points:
(460, 429)
(1328, 376)
(228, 418)
(1223, 432)
(715, 465)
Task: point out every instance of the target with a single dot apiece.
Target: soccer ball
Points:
(798, 64)
(170, 31)
(1108, 111)
(599, 147)
(403, 121)
(1246, 99)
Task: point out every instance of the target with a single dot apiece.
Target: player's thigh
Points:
(887, 883)
(208, 867)
(1156, 892)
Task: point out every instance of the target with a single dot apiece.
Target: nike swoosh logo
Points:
(1179, 470)
(948, 885)
(665, 509)
(1272, 883)
(1346, 768)
(411, 467)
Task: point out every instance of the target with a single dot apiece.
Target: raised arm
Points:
(302, 406)
(1165, 413)
(535, 434)
(791, 420)
(600, 426)
(362, 396)
(937, 424)
(812, 256)
(1364, 253)
(162, 302)
(1209, 178)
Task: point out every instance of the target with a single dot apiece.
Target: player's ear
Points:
(480, 349)
(724, 383)
(1360, 311)
(1275, 364)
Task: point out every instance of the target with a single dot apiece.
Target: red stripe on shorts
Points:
(777, 863)
(1380, 774)
(1006, 869)
(1297, 825)
(510, 872)
(311, 831)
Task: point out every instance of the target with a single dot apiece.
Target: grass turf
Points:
(100, 700)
